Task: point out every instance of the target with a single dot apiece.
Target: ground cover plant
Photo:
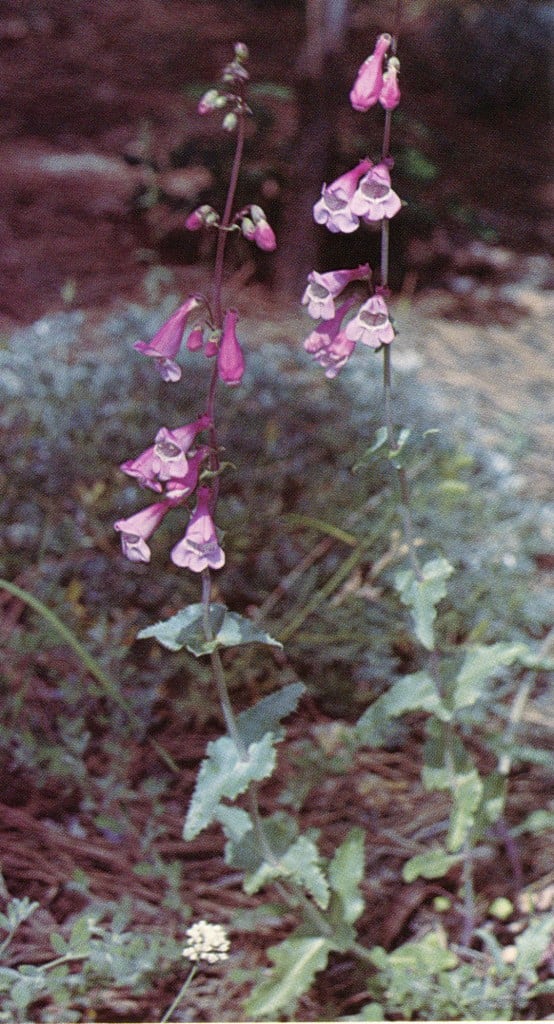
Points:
(371, 610)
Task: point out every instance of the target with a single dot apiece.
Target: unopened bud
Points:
(211, 100)
(212, 344)
(195, 339)
(241, 52)
(248, 228)
(230, 122)
(203, 216)
(389, 96)
(257, 214)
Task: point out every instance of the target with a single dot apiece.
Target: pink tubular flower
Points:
(329, 345)
(322, 289)
(389, 97)
(374, 198)
(369, 81)
(199, 548)
(136, 530)
(230, 358)
(333, 209)
(371, 325)
(179, 488)
(141, 469)
(169, 459)
(167, 341)
(166, 459)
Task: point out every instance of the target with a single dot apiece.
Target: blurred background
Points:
(102, 153)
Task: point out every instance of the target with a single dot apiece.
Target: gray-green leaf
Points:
(186, 629)
(224, 774)
(423, 595)
(297, 961)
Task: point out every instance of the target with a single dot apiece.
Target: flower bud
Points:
(230, 358)
(230, 122)
(369, 80)
(241, 52)
(203, 217)
(210, 101)
(212, 344)
(248, 228)
(195, 339)
(389, 97)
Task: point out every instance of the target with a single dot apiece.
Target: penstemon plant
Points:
(184, 465)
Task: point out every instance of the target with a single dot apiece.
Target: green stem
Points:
(469, 895)
(218, 671)
(67, 958)
(180, 995)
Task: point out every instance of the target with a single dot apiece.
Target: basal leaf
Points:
(346, 871)
(423, 595)
(481, 663)
(429, 955)
(433, 864)
(186, 629)
(296, 962)
(224, 774)
(280, 830)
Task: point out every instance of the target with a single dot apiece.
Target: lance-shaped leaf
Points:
(479, 664)
(433, 864)
(301, 863)
(423, 595)
(266, 715)
(346, 872)
(186, 629)
(415, 692)
(296, 962)
(467, 791)
(225, 774)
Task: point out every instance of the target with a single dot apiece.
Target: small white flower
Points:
(206, 942)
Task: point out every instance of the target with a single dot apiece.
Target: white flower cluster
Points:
(206, 942)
